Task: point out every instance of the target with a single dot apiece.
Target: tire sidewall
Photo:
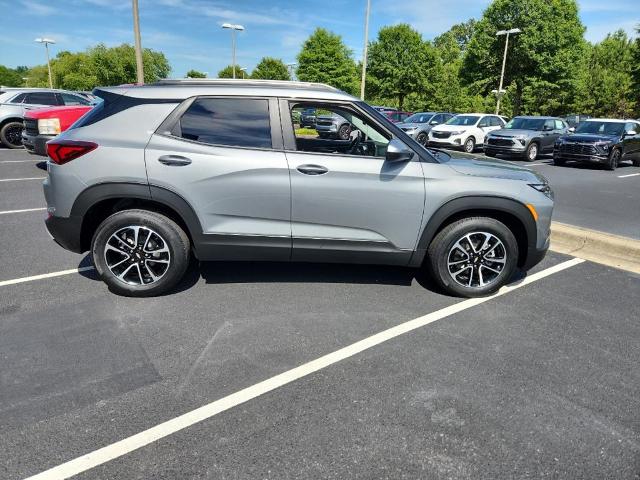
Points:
(530, 148)
(614, 159)
(340, 132)
(3, 138)
(473, 145)
(167, 229)
(458, 230)
(422, 136)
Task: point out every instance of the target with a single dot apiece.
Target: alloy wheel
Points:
(533, 152)
(137, 255)
(476, 260)
(14, 136)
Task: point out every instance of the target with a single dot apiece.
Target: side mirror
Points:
(547, 128)
(630, 133)
(433, 122)
(398, 151)
(572, 129)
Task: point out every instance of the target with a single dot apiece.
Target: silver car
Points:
(14, 102)
(213, 168)
(420, 124)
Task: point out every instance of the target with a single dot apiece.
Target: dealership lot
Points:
(542, 380)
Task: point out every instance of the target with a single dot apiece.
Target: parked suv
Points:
(419, 125)
(214, 168)
(15, 102)
(466, 131)
(332, 125)
(606, 141)
(43, 124)
(525, 137)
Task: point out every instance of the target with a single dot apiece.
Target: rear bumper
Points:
(65, 232)
(36, 144)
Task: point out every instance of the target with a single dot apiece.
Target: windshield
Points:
(601, 128)
(419, 118)
(525, 124)
(464, 120)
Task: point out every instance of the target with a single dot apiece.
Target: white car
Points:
(466, 131)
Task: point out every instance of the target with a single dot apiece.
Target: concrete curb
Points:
(599, 247)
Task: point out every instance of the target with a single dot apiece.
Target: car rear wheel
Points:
(422, 138)
(473, 257)
(11, 135)
(469, 145)
(614, 159)
(532, 152)
(139, 253)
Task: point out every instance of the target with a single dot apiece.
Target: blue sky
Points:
(189, 33)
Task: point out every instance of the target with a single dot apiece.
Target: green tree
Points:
(635, 72)
(544, 62)
(195, 74)
(325, 58)
(400, 64)
(227, 72)
(608, 87)
(10, 77)
(271, 68)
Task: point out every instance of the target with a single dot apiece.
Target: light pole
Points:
(364, 50)
(243, 69)
(136, 34)
(46, 42)
(290, 66)
(500, 92)
(234, 29)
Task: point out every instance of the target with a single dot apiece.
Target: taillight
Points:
(63, 151)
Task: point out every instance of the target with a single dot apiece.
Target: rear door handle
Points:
(312, 169)
(174, 160)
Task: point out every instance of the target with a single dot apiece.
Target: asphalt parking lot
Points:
(541, 381)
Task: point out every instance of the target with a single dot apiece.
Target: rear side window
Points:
(223, 121)
(41, 98)
(70, 99)
(19, 98)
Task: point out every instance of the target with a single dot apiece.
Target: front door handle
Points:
(312, 169)
(174, 160)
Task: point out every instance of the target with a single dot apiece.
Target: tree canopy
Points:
(271, 68)
(195, 74)
(325, 58)
(227, 72)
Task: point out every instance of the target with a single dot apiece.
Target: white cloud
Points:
(36, 8)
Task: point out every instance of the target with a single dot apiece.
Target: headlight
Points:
(458, 132)
(49, 126)
(543, 188)
(605, 147)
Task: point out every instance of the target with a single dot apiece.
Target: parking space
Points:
(542, 380)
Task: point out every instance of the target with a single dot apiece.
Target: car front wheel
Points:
(422, 138)
(614, 159)
(532, 152)
(469, 145)
(11, 135)
(139, 253)
(473, 257)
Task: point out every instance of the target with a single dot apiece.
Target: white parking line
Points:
(4, 283)
(6, 212)
(139, 440)
(630, 175)
(533, 164)
(23, 161)
(19, 179)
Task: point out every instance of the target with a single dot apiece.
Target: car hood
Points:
(513, 133)
(589, 138)
(494, 168)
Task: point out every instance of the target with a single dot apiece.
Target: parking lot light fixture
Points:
(243, 70)
(234, 28)
(46, 42)
(500, 92)
(290, 66)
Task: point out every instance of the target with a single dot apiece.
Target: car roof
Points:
(186, 88)
(538, 117)
(612, 120)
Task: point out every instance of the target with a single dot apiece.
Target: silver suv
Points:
(217, 169)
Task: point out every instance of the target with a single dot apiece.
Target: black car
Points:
(308, 118)
(604, 141)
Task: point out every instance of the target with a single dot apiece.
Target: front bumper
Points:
(333, 128)
(451, 142)
(535, 255)
(36, 144)
(65, 232)
(512, 150)
(576, 157)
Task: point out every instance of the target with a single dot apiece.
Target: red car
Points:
(396, 116)
(44, 124)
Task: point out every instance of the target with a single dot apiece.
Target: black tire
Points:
(636, 163)
(442, 247)
(422, 138)
(344, 132)
(613, 160)
(469, 145)
(533, 150)
(11, 134)
(175, 241)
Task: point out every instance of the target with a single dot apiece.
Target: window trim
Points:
(166, 128)
(289, 138)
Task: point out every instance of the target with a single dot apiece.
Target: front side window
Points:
(495, 122)
(464, 120)
(237, 122)
(340, 130)
(419, 118)
(631, 127)
(41, 98)
(559, 124)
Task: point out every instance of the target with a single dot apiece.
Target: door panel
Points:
(240, 195)
(363, 209)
